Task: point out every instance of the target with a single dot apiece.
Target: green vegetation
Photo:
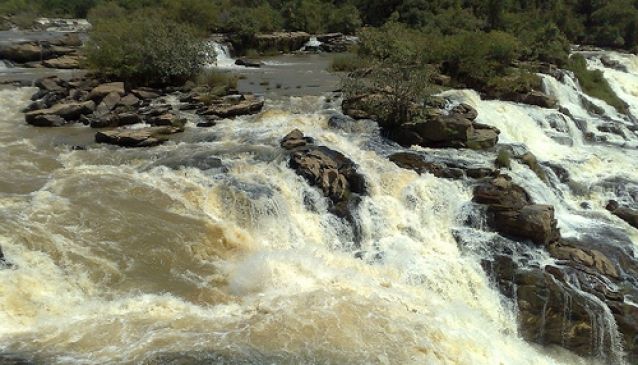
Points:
(593, 83)
(347, 62)
(145, 48)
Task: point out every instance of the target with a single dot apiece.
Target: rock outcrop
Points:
(144, 137)
(329, 170)
(511, 212)
(62, 53)
(421, 165)
(628, 215)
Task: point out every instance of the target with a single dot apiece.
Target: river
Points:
(146, 256)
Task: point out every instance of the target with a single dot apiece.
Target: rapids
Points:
(119, 257)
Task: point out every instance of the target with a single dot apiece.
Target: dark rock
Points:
(47, 120)
(206, 124)
(612, 128)
(68, 111)
(108, 103)
(512, 213)
(199, 160)
(412, 161)
(248, 63)
(49, 84)
(145, 137)
(616, 65)
(25, 52)
(228, 110)
(534, 98)
(168, 119)
(465, 111)
(146, 93)
(113, 120)
(628, 215)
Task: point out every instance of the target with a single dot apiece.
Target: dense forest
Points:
(609, 23)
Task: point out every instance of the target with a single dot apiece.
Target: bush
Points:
(146, 48)
(218, 83)
(347, 62)
(203, 15)
(594, 83)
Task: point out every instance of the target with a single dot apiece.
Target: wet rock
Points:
(14, 359)
(52, 83)
(199, 160)
(572, 251)
(628, 215)
(206, 124)
(412, 161)
(68, 40)
(145, 137)
(445, 131)
(327, 169)
(465, 111)
(100, 91)
(68, 111)
(612, 128)
(113, 120)
(537, 98)
(512, 213)
(25, 52)
(228, 110)
(168, 119)
(47, 120)
(611, 63)
(248, 63)
(146, 93)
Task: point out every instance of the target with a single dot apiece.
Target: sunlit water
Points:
(118, 258)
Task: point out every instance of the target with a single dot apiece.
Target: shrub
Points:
(218, 83)
(145, 48)
(593, 83)
(201, 14)
(347, 62)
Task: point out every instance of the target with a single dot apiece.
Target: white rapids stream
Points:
(119, 259)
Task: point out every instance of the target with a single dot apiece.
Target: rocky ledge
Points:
(329, 170)
(439, 128)
(113, 105)
(61, 53)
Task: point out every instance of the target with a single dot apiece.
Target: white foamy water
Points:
(118, 258)
(222, 56)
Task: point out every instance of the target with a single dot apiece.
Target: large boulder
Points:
(66, 62)
(232, 109)
(25, 52)
(145, 137)
(412, 161)
(100, 91)
(329, 170)
(113, 120)
(512, 213)
(69, 111)
(628, 215)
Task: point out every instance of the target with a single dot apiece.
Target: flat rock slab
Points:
(145, 137)
(228, 110)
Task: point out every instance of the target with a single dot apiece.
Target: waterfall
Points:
(118, 257)
(222, 56)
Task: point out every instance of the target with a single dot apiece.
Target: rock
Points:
(47, 120)
(108, 103)
(610, 63)
(206, 124)
(566, 250)
(537, 98)
(146, 93)
(24, 52)
(129, 100)
(112, 120)
(227, 110)
(100, 91)
(279, 41)
(199, 160)
(248, 63)
(168, 119)
(327, 169)
(51, 83)
(412, 161)
(612, 128)
(445, 131)
(465, 111)
(67, 62)
(68, 40)
(145, 137)
(68, 111)
(628, 215)
(512, 213)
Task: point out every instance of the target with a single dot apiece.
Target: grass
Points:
(217, 82)
(347, 62)
(594, 84)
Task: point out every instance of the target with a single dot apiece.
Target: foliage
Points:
(347, 62)
(593, 83)
(216, 82)
(145, 48)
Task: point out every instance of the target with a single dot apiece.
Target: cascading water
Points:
(118, 257)
(222, 56)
